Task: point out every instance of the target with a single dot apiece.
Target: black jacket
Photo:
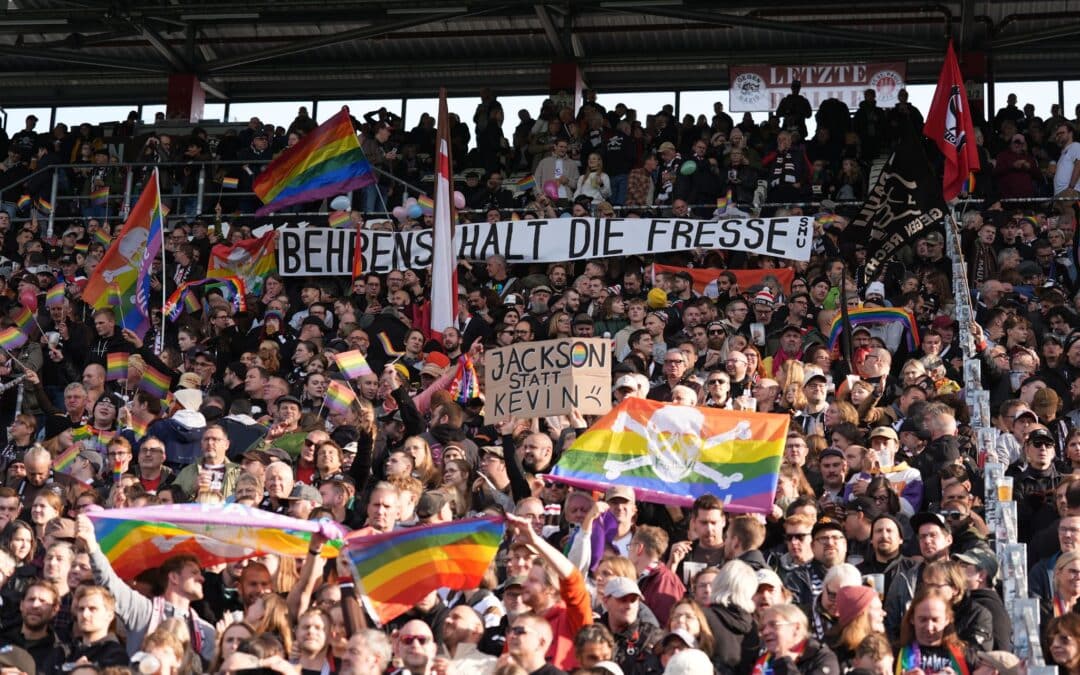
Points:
(735, 636)
(816, 659)
(989, 600)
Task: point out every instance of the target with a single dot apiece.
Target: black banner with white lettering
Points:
(312, 251)
(905, 201)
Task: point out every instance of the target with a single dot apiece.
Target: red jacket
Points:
(662, 589)
(566, 619)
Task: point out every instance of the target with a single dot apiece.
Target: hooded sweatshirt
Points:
(182, 436)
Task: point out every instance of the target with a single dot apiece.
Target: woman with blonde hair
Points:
(424, 465)
(688, 615)
(458, 477)
(270, 355)
(559, 325)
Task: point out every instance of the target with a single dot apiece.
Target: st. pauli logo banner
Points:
(673, 454)
(312, 251)
(536, 379)
(745, 278)
(760, 88)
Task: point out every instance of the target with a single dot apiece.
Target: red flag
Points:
(949, 126)
(444, 303)
(358, 257)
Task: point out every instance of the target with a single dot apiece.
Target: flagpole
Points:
(159, 343)
(845, 318)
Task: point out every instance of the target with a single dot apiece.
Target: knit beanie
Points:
(851, 601)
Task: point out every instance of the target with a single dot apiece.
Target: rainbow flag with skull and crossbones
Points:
(673, 454)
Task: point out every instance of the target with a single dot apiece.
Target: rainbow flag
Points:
(673, 454)
(352, 364)
(969, 184)
(44, 206)
(62, 463)
(11, 338)
(125, 268)
(427, 204)
(54, 297)
(100, 197)
(154, 382)
(136, 539)
(338, 397)
(91, 438)
(138, 428)
(82, 248)
(339, 218)
(722, 202)
(116, 369)
(101, 237)
(828, 219)
(326, 162)
(230, 183)
(233, 289)
(23, 318)
(24, 202)
(395, 570)
(466, 385)
(1034, 220)
(250, 259)
(527, 183)
(388, 345)
(865, 315)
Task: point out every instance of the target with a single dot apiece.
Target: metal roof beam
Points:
(304, 45)
(553, 37)
(68, 58)
(846, 35)
(178, 63)
(1049, 34)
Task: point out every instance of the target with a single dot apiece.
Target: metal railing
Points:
(207, 185)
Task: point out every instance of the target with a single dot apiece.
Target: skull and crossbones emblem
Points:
(675, 445)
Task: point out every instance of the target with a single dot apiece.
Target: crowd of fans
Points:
(875, 557)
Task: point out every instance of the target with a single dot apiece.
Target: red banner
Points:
(760, 88)
(745, 278)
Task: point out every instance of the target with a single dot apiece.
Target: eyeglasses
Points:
(1071, 573)
(1041, 444)
(150, 451)
(795, 536)
(417, 639)
(712, 382)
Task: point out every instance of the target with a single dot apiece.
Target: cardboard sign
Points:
(536, 379)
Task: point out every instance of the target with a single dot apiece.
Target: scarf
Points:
(763, 666)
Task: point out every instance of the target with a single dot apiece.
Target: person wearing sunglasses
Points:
(415, 647)
(1034, 486)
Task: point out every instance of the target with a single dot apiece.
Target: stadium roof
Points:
(85, 52)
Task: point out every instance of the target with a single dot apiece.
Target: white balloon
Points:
(340, 203)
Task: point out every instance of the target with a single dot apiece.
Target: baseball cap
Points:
(278, 454)
(496, 450)
(864, 505)
(935, 238)
(542, 288)
(943, 322)
(511, 299)
(812, 373)
(626, 382)
(925, 517)
(94, 458)
(681, 634)
(981, 558)
(518, 580)
(1039, 434)
(667, 145)
(826, 524)
(17, 657)
(767, 577)
(884, 432)
(307, 492)
(831, 451)
(620, 587)
(1024, 411)
(619, 492)
(288, 398)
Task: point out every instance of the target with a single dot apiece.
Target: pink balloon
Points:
(551, 189)
(459, 200)
(28, 299)
(399, 213)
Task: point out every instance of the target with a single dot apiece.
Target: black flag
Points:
(905, 201)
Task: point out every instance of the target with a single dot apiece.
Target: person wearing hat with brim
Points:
(1038, 478)
(934, 539)
(906, 481)
(635, 638)
(981, 571)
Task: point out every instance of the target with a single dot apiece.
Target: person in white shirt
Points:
(1067, 175)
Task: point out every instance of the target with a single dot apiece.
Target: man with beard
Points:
(447, 420)
(934, 539)
(183, 586)
(38, 608)
(829, 546)
(536, 453)
(885, 540)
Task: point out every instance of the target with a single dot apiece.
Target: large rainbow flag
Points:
(252, 260)
(673, 454)
(746, 278)
(398, 569)
(869, 315)
(233, 289)
(139, 539)
(326, 162)
(124, 272)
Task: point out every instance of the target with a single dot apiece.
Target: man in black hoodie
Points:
(447, 420)
(981, 568)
